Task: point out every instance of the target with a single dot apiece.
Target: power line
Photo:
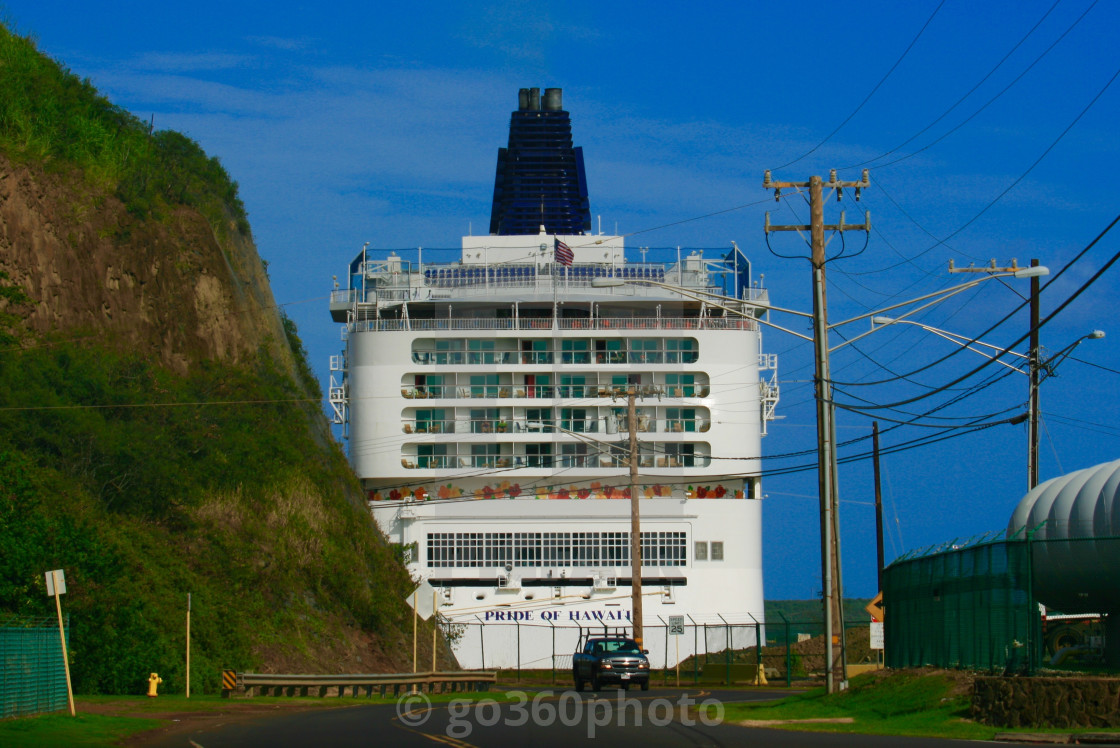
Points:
(869, 95)
(1093, 279)
(973, 89)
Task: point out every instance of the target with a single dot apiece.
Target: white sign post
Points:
(56, 585)
(878, 641)
(676, 629)
(418, 602)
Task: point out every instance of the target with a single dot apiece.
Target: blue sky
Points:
(350, 122)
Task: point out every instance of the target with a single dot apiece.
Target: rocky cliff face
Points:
(179, 289)
(250, 506)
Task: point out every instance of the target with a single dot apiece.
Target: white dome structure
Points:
(1083, 508)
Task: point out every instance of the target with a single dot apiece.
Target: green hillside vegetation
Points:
(51, 116)
(145, 484)
(810, 611)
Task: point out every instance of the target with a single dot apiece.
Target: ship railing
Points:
(548, 391)
(429, 427)
(617, 324)
(592, 461)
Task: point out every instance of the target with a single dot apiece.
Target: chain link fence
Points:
(704, 652)
(32, 674)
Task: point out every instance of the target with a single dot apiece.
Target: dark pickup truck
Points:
(610, 659)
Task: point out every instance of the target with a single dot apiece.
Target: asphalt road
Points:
(550, 719)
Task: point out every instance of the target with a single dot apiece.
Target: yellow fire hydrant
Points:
(153, 683)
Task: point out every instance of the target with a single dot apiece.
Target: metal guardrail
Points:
(270, 684)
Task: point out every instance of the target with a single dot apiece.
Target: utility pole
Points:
(635, 522)
(878, 505)
(1033, 360)
(832, 586)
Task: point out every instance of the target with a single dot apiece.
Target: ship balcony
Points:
(548, 456)
(528, 421)
(621, 324)
(518, 386)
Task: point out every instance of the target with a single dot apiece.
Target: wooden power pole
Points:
(878, 505)
(832, 587)
(635, 519)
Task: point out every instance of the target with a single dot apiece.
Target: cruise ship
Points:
(484, 401)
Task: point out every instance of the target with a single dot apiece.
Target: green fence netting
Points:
(975, 604)
(32, 674)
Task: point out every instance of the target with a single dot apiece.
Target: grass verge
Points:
(62, 729)
(906, 703)
(109, 720)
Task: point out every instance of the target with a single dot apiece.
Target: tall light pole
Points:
(1038, 368)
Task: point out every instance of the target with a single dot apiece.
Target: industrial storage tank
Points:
(1076, 520)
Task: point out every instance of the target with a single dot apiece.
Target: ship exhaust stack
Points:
(540, 180)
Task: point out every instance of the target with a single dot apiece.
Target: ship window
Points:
(681, 455)
(448, 351)
(576, 351)
(481, 352)
(717, 550)
(575, 419)
(484, 421)
(432, 421)
(574, 455)
(577, 549)
(645, 350)
(573, 386)
(557, 548)
(609, 351)
(430, 385)
(432, 456)
(681, 350)
(701, 550)
(468, 549)
(681, 385)
(663, 549)
(616, 548)
(539, 420)
(538, 455)
(484, 385)
(441, 549)
(680, 419)
(498, 550)
(526, 549)
(535, 352)
(485, 455)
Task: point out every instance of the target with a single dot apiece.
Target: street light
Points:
(1034, 366)
(832, 587)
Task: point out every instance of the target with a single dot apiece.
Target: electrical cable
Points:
(968, 93)
(869, 95)
(1043, 322)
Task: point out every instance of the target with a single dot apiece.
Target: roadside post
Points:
(878, 639)
(188, 645)
(676, 630)
(56, 586)
(418, 601)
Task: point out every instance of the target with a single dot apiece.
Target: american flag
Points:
(564, 254)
